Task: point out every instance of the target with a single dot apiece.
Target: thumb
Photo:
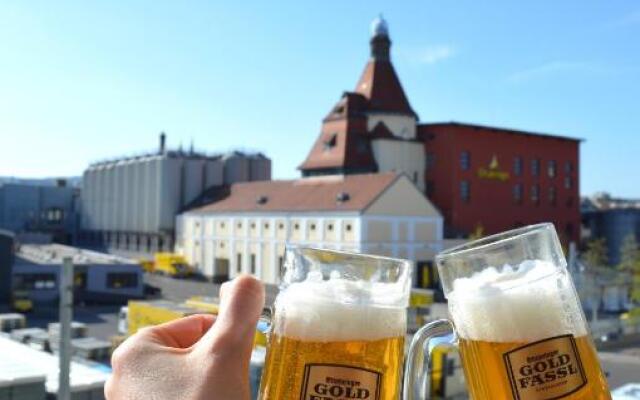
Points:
(235, 327)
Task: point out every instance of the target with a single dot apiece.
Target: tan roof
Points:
(307, 194)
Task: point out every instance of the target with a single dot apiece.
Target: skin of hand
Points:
(193, 358)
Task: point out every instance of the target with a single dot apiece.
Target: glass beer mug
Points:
(516, 320)
(338, 327)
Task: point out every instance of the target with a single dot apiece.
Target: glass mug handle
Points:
(416, 371)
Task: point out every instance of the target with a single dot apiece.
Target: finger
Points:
(240, 306)
(183, 332)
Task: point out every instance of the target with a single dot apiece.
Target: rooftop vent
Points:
(342, 197)
(262, 199)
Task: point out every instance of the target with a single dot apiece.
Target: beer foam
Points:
(533, 301)
(339, 310)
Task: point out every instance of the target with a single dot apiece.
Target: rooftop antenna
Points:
(191, 147)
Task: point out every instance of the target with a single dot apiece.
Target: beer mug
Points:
(338, 327)
(516, 320)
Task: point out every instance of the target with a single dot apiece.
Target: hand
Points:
(196, 357)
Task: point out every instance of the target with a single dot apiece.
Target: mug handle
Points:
(416, 371)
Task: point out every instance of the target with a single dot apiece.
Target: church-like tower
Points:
(373, 128)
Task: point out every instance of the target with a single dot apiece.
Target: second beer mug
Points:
(518, 322)
(338, 328)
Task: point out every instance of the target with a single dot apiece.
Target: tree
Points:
(596, 254)
(629, 254)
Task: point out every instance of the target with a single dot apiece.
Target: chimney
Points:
(163, 140)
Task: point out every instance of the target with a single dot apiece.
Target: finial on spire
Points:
(379, 27)
(380, 41)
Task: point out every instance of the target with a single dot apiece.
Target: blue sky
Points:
(82, 81)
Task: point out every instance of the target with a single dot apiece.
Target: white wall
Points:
(401, 156)
(401, 241)
(402, 126)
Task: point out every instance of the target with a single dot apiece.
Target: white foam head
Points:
(338, 310)
(533, 301)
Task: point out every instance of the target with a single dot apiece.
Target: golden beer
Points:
(523, 336)
(488, 376)
(329, 342)
(375, 371)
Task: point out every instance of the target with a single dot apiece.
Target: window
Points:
(465, 160)
(568, 182)
(348, 227)
(253, 264)
(568, 230)
(122, 280)
(330, 142)
(239, 225)
(253, 225)
(517, 193)
(465, 191)
(221, 224)
(535, 167)
(552, 196)
(222, 245)
(281, 265)
(551, 168)
(330, 227)
(517, 166)
(296, 226)
(34, 281)
(568, 167)
(280, 226)
(535, 195)
(429, 161)
(266, 225)
(54, 215)
(239, 262)
(197, 224)
(313, 227)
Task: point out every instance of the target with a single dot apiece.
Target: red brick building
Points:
(481, 178)
(495, 179)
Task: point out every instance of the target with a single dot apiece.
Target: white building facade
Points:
(387, 216)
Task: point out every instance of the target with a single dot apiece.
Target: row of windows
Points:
(296, 226)
(115, 280)
(517, 168)
(518, 194)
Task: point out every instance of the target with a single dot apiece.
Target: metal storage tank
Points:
(121, 189)
(260, 168)
(214, 173)
(193, 179)
(136, 199)
(236, 168)
(6, 263)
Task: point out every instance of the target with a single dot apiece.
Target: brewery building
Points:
(131, 203)
(482, 179)
(243, 228)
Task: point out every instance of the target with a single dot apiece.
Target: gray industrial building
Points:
(612, 219)
(131, 203)
(98, 277)
(6, 263)
(52, 210)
